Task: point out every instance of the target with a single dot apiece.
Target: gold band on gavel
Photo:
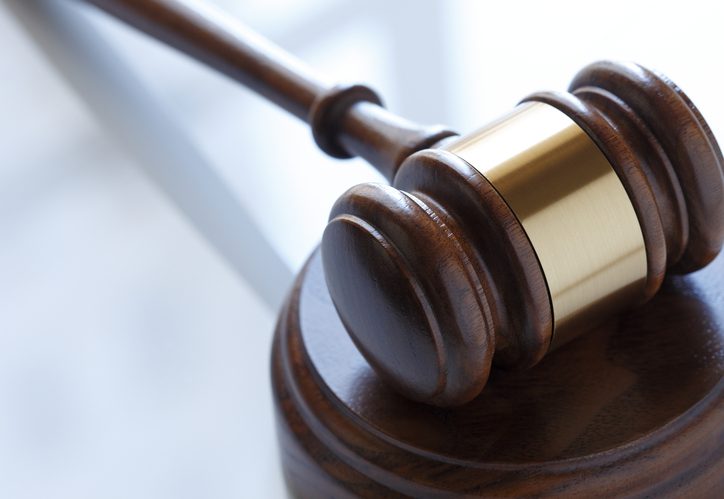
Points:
(573, 207)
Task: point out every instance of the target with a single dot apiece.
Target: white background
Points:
(133, 359)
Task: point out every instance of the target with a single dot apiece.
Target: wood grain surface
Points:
(634, 408)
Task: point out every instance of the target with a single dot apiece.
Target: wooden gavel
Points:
(500, 245)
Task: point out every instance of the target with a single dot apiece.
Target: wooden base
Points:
(635, 407)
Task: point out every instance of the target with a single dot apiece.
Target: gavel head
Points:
(504, 244)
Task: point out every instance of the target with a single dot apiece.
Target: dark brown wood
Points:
(443, 276)
(491, 236)
(205, 34)
(347, 121)
(634, 408)
(383, 139)
(435, 278)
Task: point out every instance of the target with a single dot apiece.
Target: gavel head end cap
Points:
(407, 295)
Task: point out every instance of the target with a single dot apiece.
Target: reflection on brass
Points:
(572, 206)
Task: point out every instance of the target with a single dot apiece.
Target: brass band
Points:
(571, 205)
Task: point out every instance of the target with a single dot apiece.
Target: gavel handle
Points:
(345, 121)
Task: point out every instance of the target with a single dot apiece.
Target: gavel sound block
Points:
(458, 267)
(496, 321)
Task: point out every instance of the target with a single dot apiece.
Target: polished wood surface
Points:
(634, 408)
(425, 309)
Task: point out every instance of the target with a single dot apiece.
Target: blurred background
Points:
(135, 320)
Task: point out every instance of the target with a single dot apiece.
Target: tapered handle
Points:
(346, 121)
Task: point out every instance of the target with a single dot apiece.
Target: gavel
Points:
(495, 247)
